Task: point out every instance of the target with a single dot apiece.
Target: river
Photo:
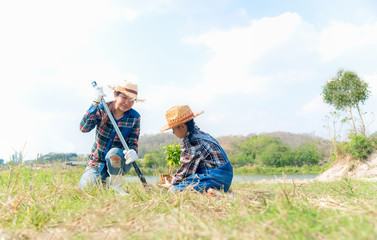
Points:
(241, 178)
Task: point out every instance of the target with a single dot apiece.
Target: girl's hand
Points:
(167, 184)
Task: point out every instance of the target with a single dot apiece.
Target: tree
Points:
(154, 160)
(346, 91)
(263, 151)
(305, 155)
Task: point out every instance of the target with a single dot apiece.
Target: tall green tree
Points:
(346, 91)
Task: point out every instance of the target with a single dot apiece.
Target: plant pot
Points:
(163, 176)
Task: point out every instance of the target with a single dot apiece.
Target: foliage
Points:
(305, 169)
(276, 154)
(305, 155)
(173, 152)
(57, 157)
(271, 152)
(346, 91)
(359, 147)
(154, 160)
(373, 139)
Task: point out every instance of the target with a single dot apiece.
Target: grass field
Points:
(46, 204)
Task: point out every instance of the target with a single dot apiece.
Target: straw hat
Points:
(129, 89)
(178, 115)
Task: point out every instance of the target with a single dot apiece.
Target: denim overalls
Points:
(205, 178)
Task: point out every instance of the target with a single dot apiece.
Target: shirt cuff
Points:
(174, 180)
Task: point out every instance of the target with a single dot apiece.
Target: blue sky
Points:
(252, 66)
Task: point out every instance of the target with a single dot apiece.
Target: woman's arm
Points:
(133, 138)
(91, 118)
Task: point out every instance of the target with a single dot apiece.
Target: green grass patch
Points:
(46, 204)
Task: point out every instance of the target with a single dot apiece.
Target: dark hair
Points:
(111, 106)
(192, 129)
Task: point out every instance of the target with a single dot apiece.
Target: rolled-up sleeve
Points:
(91, 118)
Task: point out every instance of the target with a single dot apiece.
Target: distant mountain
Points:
(295, 139)
(149, 143)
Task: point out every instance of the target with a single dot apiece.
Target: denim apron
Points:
(218, 178)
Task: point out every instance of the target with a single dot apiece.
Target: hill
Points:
(155, 142)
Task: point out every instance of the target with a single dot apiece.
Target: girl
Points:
(204, 164)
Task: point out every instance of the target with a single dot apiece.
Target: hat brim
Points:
(127, 94)
(167, 126)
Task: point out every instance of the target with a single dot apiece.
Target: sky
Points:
(252, 66)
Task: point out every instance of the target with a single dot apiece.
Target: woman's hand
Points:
(130, 156)
(98, 95)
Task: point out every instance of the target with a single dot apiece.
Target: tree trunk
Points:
(353, 120)
(361, 118)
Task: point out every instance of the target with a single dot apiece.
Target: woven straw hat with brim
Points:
(178, 115)
(129, 89)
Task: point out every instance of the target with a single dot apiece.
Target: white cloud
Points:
(372, 82)
(235, 52)
(340, 38)
(316, 106)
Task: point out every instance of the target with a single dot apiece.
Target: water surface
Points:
(241, 177)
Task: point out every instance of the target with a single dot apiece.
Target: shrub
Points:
(305, 155)
(373, 139)
(359, 147)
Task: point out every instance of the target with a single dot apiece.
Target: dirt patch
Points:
(352, 169)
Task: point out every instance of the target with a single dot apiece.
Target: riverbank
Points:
(240, 177)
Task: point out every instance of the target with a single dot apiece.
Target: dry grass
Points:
(46, 204)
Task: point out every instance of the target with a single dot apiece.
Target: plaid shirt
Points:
(202, 153)
(106, 137)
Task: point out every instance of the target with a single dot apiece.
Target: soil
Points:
(351, 169)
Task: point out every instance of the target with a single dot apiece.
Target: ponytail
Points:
(192, 129)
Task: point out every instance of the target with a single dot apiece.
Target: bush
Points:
(275, 155)
(359, 147)
(305, 155)
(373, 139)
(154, 160)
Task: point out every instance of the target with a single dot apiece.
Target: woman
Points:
(204, 164)
(108, 158)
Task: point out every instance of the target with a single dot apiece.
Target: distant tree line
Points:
(272, 152)
(276, 149)
(262, 150)
(57, 157)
